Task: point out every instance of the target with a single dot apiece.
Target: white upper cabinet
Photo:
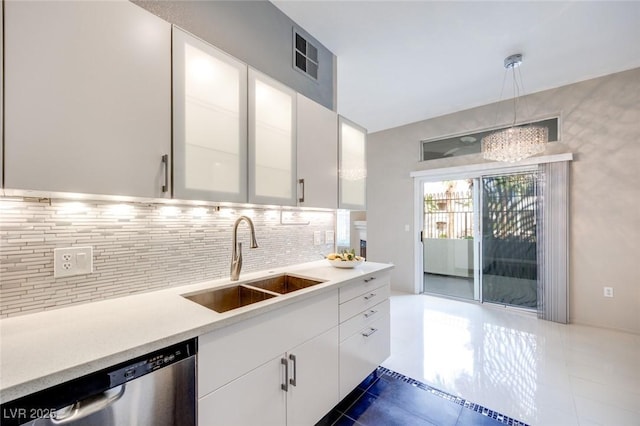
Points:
(272, 141)
(317, 128)
(352, 165)
(87, 98)
(209, 122)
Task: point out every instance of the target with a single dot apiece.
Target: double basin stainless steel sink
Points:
(228, 298)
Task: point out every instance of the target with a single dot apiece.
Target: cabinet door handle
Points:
(293, 379)
(165, 162)
(370, 332)
(369, 279)
(285, 386)
(301, 182)
(370, 296)
(368, 314)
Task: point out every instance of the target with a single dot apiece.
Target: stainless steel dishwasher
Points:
(157, 389)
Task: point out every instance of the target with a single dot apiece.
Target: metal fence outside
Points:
(448, 214)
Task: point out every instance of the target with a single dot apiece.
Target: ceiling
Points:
(406, 61)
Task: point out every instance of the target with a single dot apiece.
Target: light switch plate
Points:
(71, 261)
(328, 237)
(317, 238)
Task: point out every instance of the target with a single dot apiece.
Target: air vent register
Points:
(305, 56)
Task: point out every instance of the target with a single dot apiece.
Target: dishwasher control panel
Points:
(151, 362)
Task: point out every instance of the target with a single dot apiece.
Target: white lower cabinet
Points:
(315, 369)
(362, 352)
(253, 399)
(292, 365)
(279, 368)
(364, 328)
(297, 388)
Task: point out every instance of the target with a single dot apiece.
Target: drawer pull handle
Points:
(285, 386)
(370, 332)
(369, 279)
(370, 313)
(370, 296)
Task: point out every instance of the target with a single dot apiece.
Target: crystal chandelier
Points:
(516, 142)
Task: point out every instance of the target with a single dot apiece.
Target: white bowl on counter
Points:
(346, 264)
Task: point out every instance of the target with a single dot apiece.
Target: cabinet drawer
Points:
(363, 319)
(361, 353)
(226, 354)
(362, 285)
(364, 301)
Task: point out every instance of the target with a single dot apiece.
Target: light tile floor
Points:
(536, 371)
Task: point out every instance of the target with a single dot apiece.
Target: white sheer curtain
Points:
(553, 242)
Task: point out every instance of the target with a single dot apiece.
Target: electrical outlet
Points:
(317, 238)
(72, 261)
(608, 292)
(329, 237)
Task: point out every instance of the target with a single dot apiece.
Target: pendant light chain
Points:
(516, 142)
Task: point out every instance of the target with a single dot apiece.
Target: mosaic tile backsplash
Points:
(138, 247)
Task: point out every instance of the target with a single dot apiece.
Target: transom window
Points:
(456, 146)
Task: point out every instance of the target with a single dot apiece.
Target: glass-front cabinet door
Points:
(352, 167)
(272, 141)
(210, 122)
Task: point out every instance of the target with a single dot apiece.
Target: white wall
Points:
(600, 124)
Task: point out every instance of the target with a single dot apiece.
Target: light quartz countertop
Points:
(44, 349)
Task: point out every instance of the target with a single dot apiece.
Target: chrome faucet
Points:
(236, 255)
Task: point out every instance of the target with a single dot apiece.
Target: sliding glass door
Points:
(479, 239)
(509, 240)
(497, 234)
(449, 227)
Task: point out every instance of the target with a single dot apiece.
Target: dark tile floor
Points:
(387, 398)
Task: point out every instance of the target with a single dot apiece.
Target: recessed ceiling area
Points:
(406, 61)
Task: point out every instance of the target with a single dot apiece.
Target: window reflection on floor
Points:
(537, 371)
(453, 361)
(449, 286)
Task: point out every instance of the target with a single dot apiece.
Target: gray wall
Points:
(600, 124)
(257, 33)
